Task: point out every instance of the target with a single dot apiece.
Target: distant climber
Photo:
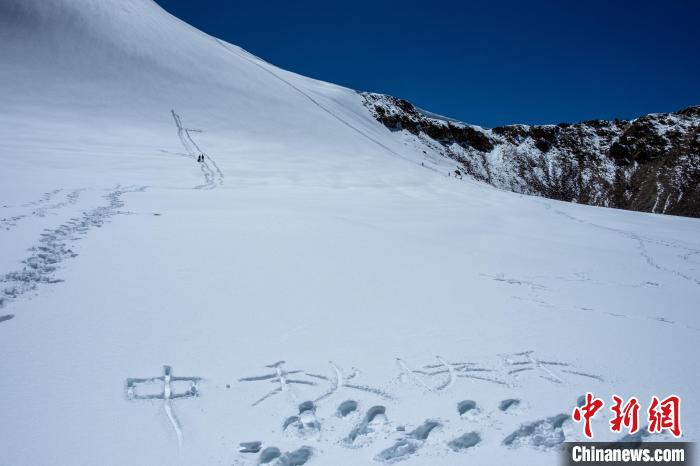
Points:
(458, 174)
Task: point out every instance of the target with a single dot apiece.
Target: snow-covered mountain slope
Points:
(408, 307)
(650, 164)
(118, 68)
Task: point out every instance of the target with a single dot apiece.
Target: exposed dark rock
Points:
(650, 164)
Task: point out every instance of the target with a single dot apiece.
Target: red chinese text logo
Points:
(586, 412)
(665, 414)
(661, 414)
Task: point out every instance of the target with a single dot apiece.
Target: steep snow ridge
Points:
(626, 164)
(102, 37)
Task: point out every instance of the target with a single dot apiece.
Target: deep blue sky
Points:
(482, 62)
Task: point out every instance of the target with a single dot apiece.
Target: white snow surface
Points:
(310, 234)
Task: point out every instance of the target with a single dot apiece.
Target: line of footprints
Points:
(544, 433)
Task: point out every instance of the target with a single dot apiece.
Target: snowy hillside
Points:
(320, 291)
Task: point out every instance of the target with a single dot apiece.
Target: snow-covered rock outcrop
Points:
(649, 164)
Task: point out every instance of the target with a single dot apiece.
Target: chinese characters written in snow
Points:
(662, 414)
(436, 376)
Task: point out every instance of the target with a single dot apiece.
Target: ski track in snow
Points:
(213, 176)
(52, 248)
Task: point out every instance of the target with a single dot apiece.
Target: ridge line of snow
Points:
(318, 104)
